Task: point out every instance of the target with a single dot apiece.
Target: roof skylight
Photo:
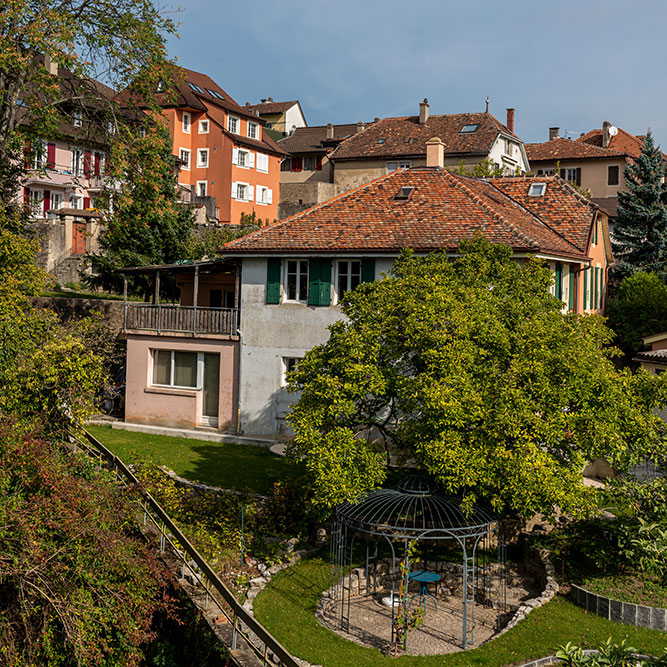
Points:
(467, 129)
(409, 140)
(537, 189)
(214, 93)
(195, 87)
(382, 140)
(405, 192)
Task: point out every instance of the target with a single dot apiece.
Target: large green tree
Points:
(468, 370)
(639, 238)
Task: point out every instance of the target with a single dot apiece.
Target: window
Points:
(613, 175)
(252, 130)
(545, 172)
(77, 162)
(202, 157)
(289, 364)
(263, 163)
(36, 202)
(296, 280)
(405, 192)
(286, 164)
(111, 127)
(467, 129)
(77, 118)
(349, 276)
(56, 201)
(393, 166)
(203, 127)
(242, 160)
(214, 93)
(509, 147)
(184, 155)
(76, 201)
(537, 189)
(264, 195)
(382, 140)
(233, 125)
(201, 188)
(174, 368)
(242, 191)
(161, 86)
(195, 87)
(571, 174)
(39, 154)
(186, 122)
(309, 163)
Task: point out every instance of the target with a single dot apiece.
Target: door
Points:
(211, 390)
(78, 238)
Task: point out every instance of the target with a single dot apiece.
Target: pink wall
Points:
(167, 406)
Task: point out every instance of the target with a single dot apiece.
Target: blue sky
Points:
(569, 63)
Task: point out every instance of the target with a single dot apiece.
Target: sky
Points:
(570, 64)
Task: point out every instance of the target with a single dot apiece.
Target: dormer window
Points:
(405, 193)
(161, 86)
(537, 189)
(468, 129)
(77, 118)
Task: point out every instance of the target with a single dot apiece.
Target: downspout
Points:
(238, 384)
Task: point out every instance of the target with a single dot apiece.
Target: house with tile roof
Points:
(228, 162)
(400, 143)
(286, 281)
(281, 118)
(594, 162)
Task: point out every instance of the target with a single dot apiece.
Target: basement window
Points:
(537, 189)
(468, 129)
(405, 193)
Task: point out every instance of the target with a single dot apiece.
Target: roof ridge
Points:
(476, 199)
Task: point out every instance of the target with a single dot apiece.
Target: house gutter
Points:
(238, 383)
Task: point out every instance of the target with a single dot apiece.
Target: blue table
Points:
(424, 577)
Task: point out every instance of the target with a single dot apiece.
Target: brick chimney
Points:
(361, 126)
(50, 64)
(435, 153)
(423, 111)
(510, 120)
(554, 133)
(606, 137)
(330, 131)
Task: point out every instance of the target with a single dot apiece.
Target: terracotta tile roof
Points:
(443, 209)
(271, 107)
(309, 139)
(567, 149)
(405, 137)
(623, 142)
(561, 207)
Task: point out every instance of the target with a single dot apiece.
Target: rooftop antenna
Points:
(487, 104)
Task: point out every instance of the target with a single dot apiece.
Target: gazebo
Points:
(390, 520)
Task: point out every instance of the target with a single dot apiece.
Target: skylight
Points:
(214, 93)
(405, 192)
(381, 141)
(409, 140)
(467, 129)
(537, 189)
(195, 87)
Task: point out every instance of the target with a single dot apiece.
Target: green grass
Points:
(633, 587)
(286, 607)
(219, 464)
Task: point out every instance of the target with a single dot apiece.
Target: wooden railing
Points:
(186, 319)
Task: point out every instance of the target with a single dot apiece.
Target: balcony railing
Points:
(184, 319)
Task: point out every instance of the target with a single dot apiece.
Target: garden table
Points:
(424, 577)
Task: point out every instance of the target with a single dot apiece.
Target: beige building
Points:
(281, 118)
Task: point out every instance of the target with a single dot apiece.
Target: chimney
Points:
(270, 99)
(423, 111)
(50, 64)
(435, 153)
(606, 137)
(376, 119)
(361, 126)
(554, 133)
(330, 131)
(510, 120)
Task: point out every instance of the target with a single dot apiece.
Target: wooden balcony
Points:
(181, 319)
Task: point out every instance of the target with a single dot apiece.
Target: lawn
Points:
(286, 608)
(219, 464)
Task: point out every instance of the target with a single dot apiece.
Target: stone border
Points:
(654, 618)
(553, 660)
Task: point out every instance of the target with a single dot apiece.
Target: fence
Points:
(187, 319)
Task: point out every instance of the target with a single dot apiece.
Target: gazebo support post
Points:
(404, 601)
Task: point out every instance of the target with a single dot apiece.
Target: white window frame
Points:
(77, 118)
(181, 151)
(285, 363)
(186, 122)
(299, 273)
(537, 189)
(263, 163)
(37, 203)
(77, 164)
(233, 124)
(76, 201)
(202, 164)
(248, 191)
(400, 165)
(199, 188)
(200, 371)
(264, 195)
(243, 159)
(255, 127)
(338, 295)
(56, 196)
(572, 171)
(204, 125)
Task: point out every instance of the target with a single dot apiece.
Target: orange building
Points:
(228, 162)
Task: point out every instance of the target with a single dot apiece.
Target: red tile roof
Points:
(623, 142)
(404, 137)
(309, 139)
(566, 149)
(443, 209)
(271, 107)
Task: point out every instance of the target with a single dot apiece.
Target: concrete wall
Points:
(167, 406)
(269, 333)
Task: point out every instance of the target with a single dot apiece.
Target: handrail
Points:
(240, 613)
(177, 318)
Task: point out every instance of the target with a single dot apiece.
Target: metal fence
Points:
(243, 624)
(187, 319)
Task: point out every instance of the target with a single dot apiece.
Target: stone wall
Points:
(69, 308)
(297, 197)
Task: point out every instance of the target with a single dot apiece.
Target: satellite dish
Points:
(613, 131)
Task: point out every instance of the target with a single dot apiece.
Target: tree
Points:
(639, 239)
(148, 224)
(639, 309)
(468, 370)
(120, 42)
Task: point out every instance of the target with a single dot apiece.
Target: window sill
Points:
(171, 391)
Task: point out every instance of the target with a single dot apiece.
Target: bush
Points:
(612, 655)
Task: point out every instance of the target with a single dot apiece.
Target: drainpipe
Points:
(238, 384)
(125, 302)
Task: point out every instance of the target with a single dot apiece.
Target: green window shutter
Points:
(273, 268)
(559, 281)
(319, 282)
(571, 295)
(595, 300)
(586, 288)
(367, 270)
